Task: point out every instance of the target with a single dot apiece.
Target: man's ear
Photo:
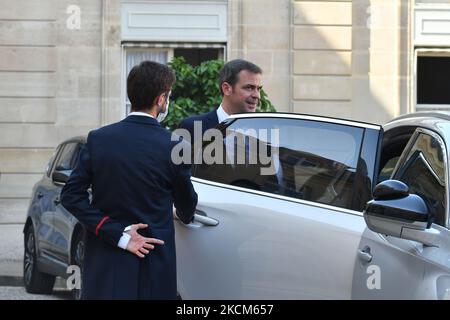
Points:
(160, 100)
(227, 89)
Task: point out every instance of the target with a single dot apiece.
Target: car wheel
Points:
(77, 259)
(35, 281)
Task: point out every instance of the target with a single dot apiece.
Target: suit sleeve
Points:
(184, 195)
(75, 198)
(183, 124)
(188, 124)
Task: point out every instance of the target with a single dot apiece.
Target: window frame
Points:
(125, 50)
(61, 151)
(366, 144)
(56, 155)
(387, 142)
(403, 159)
(427, 52)
(155, 46)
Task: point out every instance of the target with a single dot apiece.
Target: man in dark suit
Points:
(134, 186)
(240, 85)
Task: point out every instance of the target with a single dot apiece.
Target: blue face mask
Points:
(162, 115)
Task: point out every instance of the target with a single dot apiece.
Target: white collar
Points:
(138, 113)
(221, 114)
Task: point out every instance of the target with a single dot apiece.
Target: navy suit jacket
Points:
(133, 180)
(208, 120)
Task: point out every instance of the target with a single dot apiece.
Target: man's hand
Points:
(139, 244)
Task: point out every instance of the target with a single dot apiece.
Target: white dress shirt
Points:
(138, 113)
(125, 238)
(221, 114)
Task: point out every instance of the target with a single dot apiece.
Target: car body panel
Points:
(266, 248)
(407, 269)
(64, 225)
(42, 207)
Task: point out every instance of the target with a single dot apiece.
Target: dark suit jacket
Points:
(133, 181)
(208, 120)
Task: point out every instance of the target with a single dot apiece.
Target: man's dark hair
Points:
(231, 69)
(146, 82)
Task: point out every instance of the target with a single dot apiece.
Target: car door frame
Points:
(441, 141)
(43, 237)
(63, 221)
(380, 256)
(369, 143)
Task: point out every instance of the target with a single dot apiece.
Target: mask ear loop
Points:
(162, 104)
(163, 114)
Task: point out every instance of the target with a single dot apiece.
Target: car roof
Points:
(434, 120)
(301, 116)
(427, 119)
(81, 139)
(443, 115)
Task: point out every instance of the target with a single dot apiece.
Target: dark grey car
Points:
(54, 239)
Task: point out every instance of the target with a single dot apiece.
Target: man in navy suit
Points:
(240, 85)
(130, 245)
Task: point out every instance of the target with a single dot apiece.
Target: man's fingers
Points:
(153, 240)
(141, 226)
(148, 246)
(149, 240)
(140, 245)
(140, 255)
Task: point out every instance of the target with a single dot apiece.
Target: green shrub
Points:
(197, 91)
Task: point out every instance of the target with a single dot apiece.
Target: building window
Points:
(134, 56)
(194, 54)
(432, 79)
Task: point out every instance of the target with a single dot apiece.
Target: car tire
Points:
(35, 281)
(77, 257)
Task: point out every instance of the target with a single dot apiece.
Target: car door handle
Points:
(40, 195)
(200, 217)
(57, 201)
(365, 255)
(203, 219)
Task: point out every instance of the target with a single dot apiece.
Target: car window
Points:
(388, 169)
(51, 162)
(423, 170)
(68, 157)
(394, 143)
(311, 160)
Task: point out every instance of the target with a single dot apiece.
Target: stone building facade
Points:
(63, 63)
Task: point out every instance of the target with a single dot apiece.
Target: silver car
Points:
(351, 211)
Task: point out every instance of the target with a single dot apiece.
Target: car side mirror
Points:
(61, 177)
(396, 212)
(390, 189)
